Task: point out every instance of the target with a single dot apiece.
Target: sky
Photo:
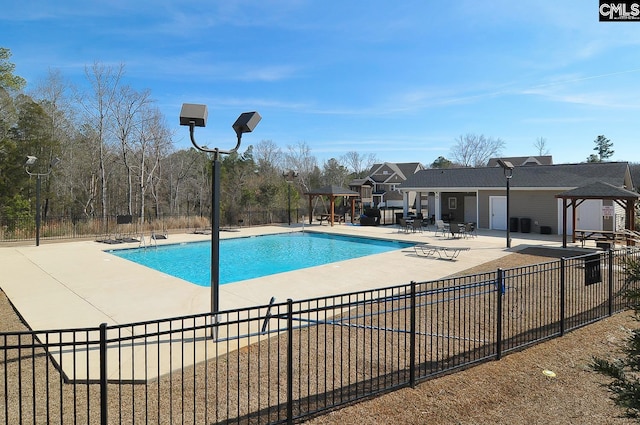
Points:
(402, 80)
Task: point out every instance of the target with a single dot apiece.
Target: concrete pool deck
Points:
(79, 284)
(71, 285)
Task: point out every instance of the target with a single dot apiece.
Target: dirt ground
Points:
(513, 390)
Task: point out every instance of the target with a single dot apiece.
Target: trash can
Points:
(525, 225)
(513, 224)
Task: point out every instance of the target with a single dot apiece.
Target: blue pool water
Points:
(248, 258)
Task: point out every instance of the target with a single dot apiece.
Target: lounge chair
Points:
(444, 252)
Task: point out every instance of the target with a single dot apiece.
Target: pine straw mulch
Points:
(513, 390)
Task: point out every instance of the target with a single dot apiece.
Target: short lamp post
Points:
(507, 167)
(194, 115)
(31, 160)
(289, 176)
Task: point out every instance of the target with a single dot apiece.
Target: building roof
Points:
(523, 160)
(332, 191)
(400, 171)
(561, 176)
(599, 190)
(360, 182)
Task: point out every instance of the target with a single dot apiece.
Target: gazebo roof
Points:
(332, 191)
(599, 190)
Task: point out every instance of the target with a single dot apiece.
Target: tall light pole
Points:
(31, 160)
(194, 115)
(289, 176)
(507, 167)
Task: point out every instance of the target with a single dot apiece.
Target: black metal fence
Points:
(21, 229)
(282, 362)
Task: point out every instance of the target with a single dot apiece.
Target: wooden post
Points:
(332, 204)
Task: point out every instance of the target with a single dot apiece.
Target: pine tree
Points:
(625, 372)
(603, 147)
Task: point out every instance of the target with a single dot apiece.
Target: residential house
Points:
(380, 187)
(523, 160)
(479, 195)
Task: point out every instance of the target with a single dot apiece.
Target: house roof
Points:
(332, 191)
(523, 160)
(397, 172)
(360, 182)
(599, 190)
(542, 176)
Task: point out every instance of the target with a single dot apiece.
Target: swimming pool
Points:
(258, 256)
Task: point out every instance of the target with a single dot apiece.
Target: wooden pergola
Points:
(599, 190)
(332, 192)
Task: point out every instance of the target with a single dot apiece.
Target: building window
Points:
(453, 203)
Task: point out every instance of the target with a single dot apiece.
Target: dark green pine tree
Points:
(625, 372)
(603, 147)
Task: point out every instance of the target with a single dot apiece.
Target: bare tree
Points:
(334, 173)
(474, 150)
(358, 163)
(85, 163)
(299, 158)
(54, 95)
(104, 82)
(153, 142)
(541, 146)
(129, 112)
(268, 157)
(187, 176)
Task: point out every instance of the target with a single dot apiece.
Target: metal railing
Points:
(282, 362)
(52, 228)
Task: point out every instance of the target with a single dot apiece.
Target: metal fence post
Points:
(500, 292)
(104, 419)
(412, 337)
(563, 272)
(290, 361)
(610, 278)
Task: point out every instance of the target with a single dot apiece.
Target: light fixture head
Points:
(55, 161)
(507, 165)
(193, 113)
(30, 160)
(246, 122)
(290, 175)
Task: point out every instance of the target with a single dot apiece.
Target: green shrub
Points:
(625, 372)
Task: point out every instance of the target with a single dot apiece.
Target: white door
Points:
(470, 209)
(498, 212)
(588, 216)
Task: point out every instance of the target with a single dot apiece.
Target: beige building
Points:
(478, 195)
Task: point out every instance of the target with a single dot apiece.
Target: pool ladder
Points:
(267, 316)
(152, 241)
